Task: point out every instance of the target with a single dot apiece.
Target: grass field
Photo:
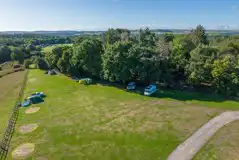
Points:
(9, 87)
(103, 122)
(49, 48)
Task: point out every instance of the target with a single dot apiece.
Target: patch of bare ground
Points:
(41, 158)
(28, 128)
(32, 110)
(23, 151)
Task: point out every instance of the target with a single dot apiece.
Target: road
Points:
(187, 149)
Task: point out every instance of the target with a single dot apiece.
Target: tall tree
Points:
(87, 56)
(113, 35)
(225, 73)
(146, 38)
(5, 53)
(199, 35)
(168, 37)
(200, 65)
(115, 62)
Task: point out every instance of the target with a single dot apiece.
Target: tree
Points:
(114, 35)
(5, 53)
(200, 65)
(180, 57)
(114, 62)
(146, 38)
(87, 56)
(147, 66)
(41, 63)
(225, 73)
(168, 37)
(64, 63)
(17, 57)
(198, 35)
(53, 57)
(124, 61)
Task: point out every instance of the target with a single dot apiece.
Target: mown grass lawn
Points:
(103, 122)
(9, 89)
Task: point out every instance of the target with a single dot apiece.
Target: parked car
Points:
(50, 72)
(131, 86)
(149, 90)
(26, 103)
(38, 94)
(85, 81)
(35, 99)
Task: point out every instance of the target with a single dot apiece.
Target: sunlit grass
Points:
(105, 122)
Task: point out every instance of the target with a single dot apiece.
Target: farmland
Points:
(49, 48)
(82, 122)
(9, 87)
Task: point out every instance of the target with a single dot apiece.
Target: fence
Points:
(7, 136)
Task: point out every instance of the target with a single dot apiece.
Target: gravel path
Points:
(187, 149)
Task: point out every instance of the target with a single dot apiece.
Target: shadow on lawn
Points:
(189, 95)
(181, 95)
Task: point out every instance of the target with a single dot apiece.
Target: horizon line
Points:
(103, 30)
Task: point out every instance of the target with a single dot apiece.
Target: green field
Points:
(9, 87)
(103, 122)
(49, 48)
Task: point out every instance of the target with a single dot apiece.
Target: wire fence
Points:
(7, 136)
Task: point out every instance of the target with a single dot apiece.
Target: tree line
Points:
(192, 60)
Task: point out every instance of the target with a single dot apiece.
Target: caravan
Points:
(149, 90)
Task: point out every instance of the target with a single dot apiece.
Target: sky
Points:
(30, 15)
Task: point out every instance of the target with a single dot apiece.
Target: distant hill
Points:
(74, 33)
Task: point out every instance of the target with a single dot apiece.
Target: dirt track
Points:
(187, 149)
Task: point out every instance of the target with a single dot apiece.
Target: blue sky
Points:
(102, 14)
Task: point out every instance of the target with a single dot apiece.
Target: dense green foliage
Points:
(20, 47)
(193, 60)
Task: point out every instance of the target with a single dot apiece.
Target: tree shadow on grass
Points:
(181, 95)
(188, 95)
